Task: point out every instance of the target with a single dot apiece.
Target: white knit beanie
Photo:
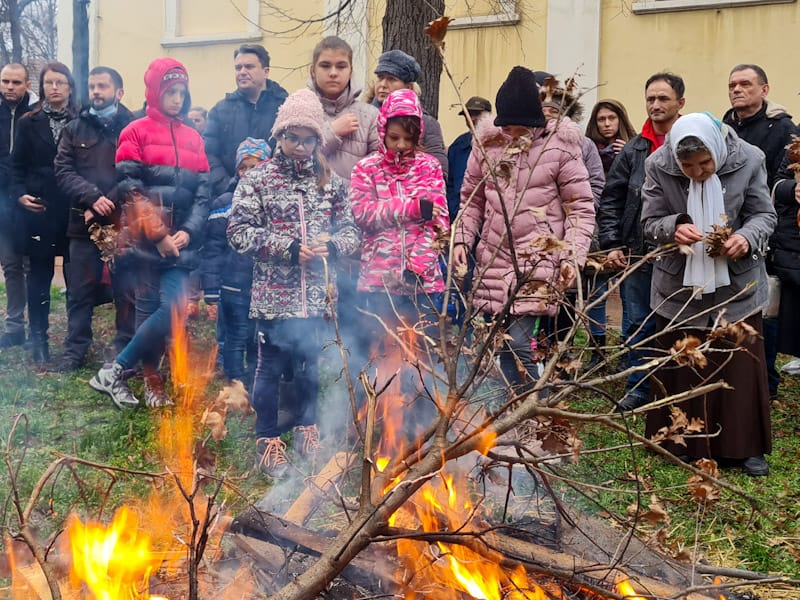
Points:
(301, 109)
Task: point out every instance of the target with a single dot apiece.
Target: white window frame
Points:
(655, 6)
(508, 15)
(173, 38)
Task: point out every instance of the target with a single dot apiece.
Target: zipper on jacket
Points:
(304, 242)
(13, 122)
(177, 174)
(402, 230)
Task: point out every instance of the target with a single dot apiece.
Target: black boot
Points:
(40, 353)
(597, 357)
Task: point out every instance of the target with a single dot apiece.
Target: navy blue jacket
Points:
(457, 156)
(222, 267)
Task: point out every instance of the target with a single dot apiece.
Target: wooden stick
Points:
(317, 487)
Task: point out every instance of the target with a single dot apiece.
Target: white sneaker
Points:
(792, 367)
(109, 380)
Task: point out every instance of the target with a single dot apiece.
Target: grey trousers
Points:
(14, 274)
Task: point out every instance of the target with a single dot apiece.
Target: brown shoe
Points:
(306, 439)
(271, 457)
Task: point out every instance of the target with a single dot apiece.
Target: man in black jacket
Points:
(14, 102)
(767, 125)
(84, 168)
(248, 112)
(619, 222)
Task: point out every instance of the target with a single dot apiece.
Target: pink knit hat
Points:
(301, 109)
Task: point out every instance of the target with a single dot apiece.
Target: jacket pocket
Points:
(744, 264)
(671, 263)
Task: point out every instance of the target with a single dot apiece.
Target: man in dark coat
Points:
(248, 112)
(619, 222)
(459, 151)
(14, 102)
(767, 125)
(84, 168)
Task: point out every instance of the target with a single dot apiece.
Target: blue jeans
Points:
(771, 353)
(635, 292)
(239, 349)
(595, 287)
(285, 344)
(159, 292)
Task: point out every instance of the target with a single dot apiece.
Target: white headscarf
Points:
(705, 204)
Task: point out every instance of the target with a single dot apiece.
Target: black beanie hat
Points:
(517, 100)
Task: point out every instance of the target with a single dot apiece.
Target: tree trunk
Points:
(15, 29)
(80, 49)
(404, 25)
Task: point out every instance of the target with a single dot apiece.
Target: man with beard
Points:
(249, 111)
(620, 228)
(84, 168)
(14, 102)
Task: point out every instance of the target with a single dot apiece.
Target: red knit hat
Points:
(172, 77)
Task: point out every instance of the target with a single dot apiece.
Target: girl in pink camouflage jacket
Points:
(398, 200)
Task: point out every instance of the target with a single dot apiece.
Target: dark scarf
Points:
(58, 119)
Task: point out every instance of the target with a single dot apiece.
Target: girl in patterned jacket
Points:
(399, 203)
(292, 214)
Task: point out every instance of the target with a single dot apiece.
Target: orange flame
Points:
(453, 570)
(625, 589)
(115, 561)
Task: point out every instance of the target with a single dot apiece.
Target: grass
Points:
(729, 532)
(65, 416)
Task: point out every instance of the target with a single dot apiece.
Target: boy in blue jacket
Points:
(228, 276)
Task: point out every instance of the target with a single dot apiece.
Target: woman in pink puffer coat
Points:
(530, 208)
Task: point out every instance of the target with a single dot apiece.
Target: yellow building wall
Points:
(701, 46)
(129, 38)
(479, 58)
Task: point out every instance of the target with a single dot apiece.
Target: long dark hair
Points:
(61, 68)
(626, 130)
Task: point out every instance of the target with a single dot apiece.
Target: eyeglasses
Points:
(298, 141)
(55, 84)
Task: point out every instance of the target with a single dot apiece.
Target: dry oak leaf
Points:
(654, 514)
(215, 421)
(234, 397)
(793, 153)
(685, 352)
(548, 244)
(739, 332)
(437, 30)
(702, 490)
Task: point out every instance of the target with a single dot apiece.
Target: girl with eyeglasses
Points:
(292, 214)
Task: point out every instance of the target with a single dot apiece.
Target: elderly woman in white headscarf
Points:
(705, 176)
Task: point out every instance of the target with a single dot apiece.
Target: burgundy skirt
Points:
(741, 415)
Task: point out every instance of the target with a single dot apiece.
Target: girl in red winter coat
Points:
(162, 172)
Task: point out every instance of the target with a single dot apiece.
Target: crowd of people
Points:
(278, 208)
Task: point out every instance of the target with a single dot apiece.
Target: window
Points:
(651, 6)
(244, 15)
(505, 13)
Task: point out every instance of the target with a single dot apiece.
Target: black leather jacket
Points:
(84, 165)
(621, 203)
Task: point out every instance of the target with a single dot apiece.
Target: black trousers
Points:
(85, 290)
